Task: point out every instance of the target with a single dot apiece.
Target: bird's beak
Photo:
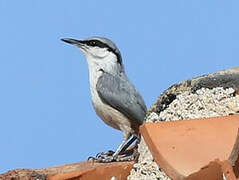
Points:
(72, 41)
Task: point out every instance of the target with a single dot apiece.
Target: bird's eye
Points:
(92, 43)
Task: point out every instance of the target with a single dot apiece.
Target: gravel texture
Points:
(201, 104)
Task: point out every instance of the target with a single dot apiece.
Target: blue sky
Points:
(46, 115)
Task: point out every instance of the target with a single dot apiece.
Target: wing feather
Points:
(120, 94)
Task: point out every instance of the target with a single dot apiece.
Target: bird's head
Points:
(98, 49)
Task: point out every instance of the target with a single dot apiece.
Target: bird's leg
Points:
(131, 154)
(110, 156)
(121, 154)
(122, 145)
(128, 144)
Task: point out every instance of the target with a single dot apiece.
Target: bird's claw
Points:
(108, 156)
(105, 154)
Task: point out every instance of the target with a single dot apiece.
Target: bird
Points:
(114, 98)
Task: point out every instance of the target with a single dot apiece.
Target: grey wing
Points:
(120, 94)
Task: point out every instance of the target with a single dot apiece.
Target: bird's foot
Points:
(125, 158)
(105, 154)
(108, 156)
(128, 155)
(108, 159)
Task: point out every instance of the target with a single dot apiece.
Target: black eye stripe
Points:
(97, 43)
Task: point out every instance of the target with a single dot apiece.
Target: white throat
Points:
(98, 65)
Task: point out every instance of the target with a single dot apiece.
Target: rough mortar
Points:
(201, 104)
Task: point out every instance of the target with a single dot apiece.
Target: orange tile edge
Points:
(91, 172)
(167, 168)
(68, 175)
